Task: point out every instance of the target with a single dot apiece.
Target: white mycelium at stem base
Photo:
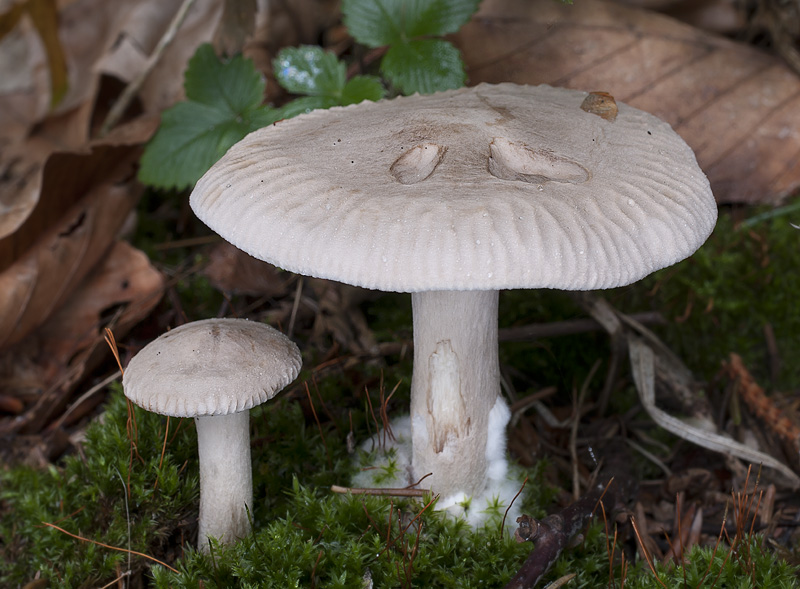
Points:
(226, 479)
(455, 386)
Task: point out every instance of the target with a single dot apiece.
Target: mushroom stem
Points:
(455, 384)
(226, 478)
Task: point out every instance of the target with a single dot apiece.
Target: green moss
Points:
(109, 494)
(342, 538)
(302, 529)
(300, 526)
(722, 298)
(748, 566)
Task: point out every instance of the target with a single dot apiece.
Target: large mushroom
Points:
(452, 197)
(215, 371)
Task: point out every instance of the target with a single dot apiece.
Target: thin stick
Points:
(609, 549)
(389, 527)
(386, 433)
(419, 481)
(163, 451)
(314, 570)
(77, 403)
(295, 306)
(415, 550)
(646, 554)
(117, 580)
(573, 435)
(127, 516)
(503, 523)
(411, 523)
(155, 560)
(112, 343)
(322, 402)
(375, 419)
(124, 100)
(319, 425)
(405, 492)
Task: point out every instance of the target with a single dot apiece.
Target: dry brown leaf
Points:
(92, 33)
(38, 282)
(85, 200)
(738, 107)
(24, 149)
(720, 16)
(124, 279)
(44, 16)
(230, 269)
(87, 29)
(139, 36)
(236, 25)
(339, 315)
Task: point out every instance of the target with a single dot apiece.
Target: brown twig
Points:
(319, 426)
(553, 534)
(112, 343)
(648, 558)
(503, 523)
(569, 327)
(124, 99)
(62, 530)
(404, 492)
(163, 451)
(757, 401)
(419, 481)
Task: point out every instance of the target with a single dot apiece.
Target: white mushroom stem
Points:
(226, 477)
(455, 384)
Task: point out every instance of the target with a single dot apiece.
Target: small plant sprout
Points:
(215, 370)
(452, 197)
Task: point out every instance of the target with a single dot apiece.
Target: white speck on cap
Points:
(211, 367)
(565, 198)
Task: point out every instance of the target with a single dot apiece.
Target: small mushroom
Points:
(452, 197)
(215, 370)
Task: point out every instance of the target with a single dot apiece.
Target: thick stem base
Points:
(455, 385)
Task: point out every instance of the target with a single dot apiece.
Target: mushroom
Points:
(452, 197)
(215, 370)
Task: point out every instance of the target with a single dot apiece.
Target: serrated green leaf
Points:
(386, 22)
(361, 88)
(191, 138)
(234, 85)
(322, 78)
(224, 105)
(309, 70)
(424, 66)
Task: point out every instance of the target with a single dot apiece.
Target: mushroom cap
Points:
(211, 367)
(482, 188)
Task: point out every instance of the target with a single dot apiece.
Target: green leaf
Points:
(361, 88)
(235, 85)
(424, 66)
(322, 78)
(224, 105)
(309, 70)
(385, 22)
